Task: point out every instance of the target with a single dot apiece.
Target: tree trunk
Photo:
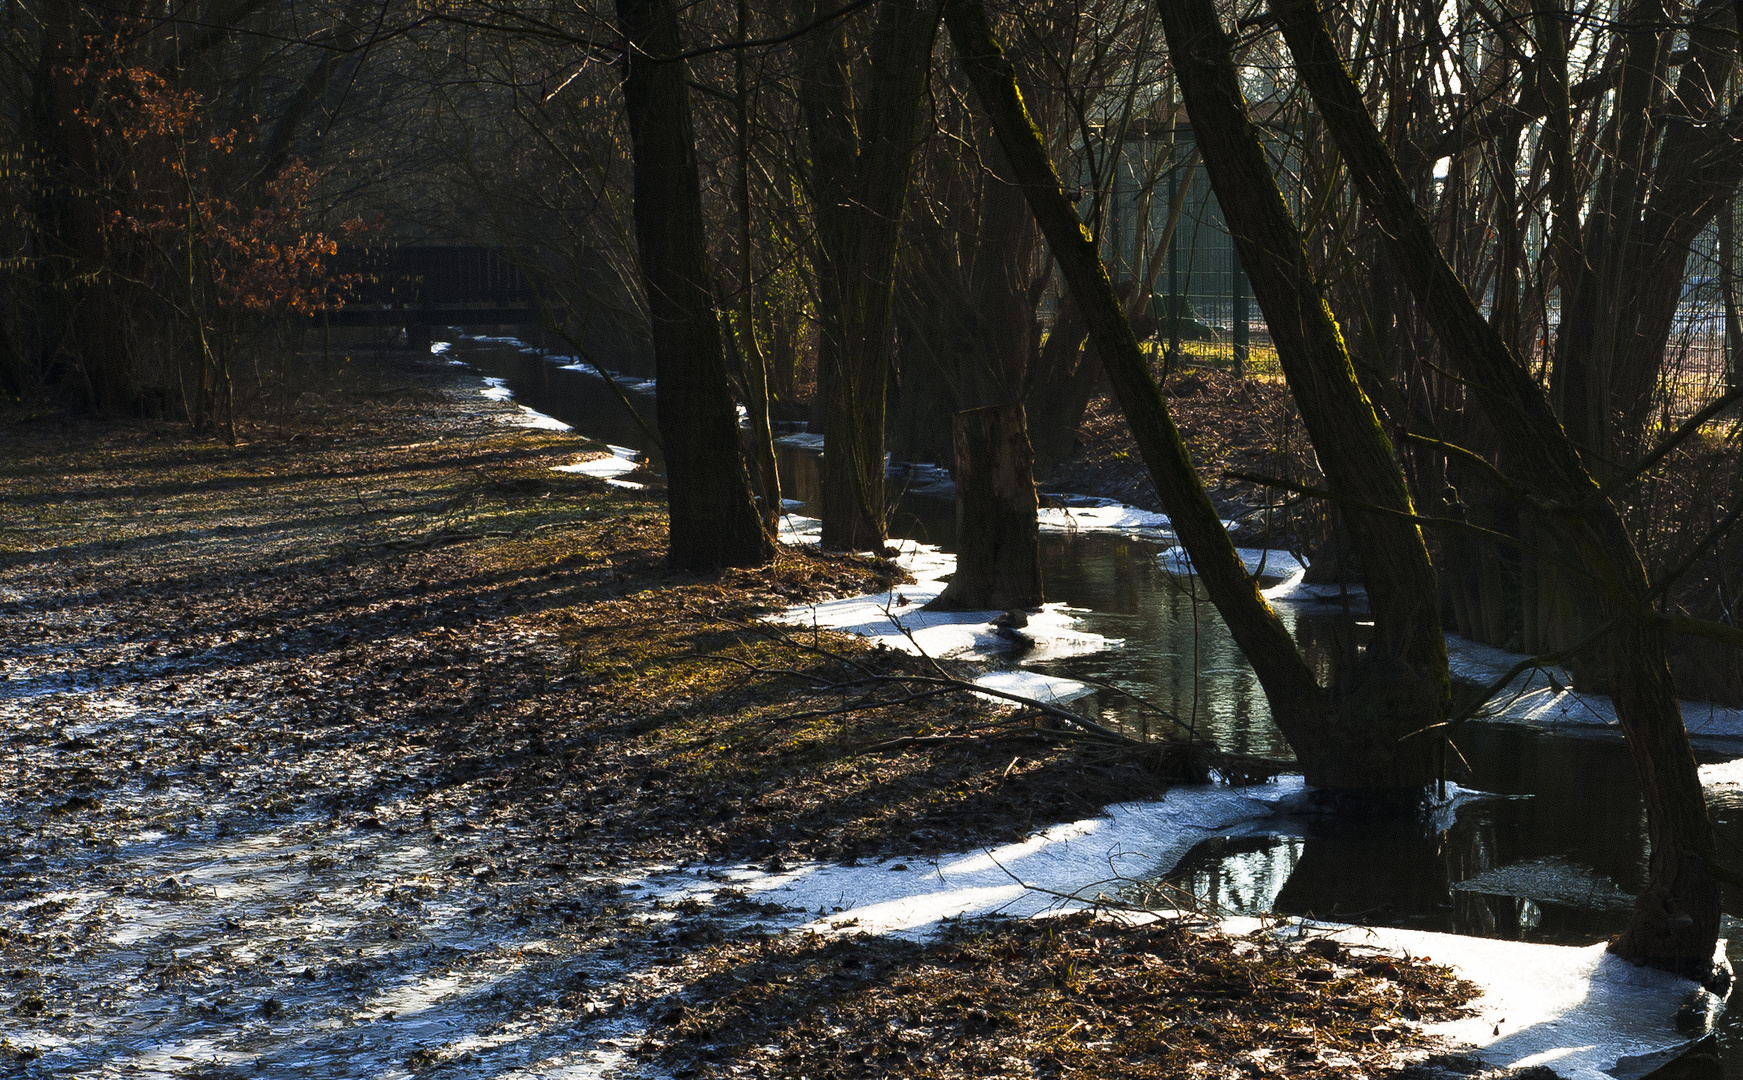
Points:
(862, 135)
(1064, 381)
(1402, 687)
(998, 559)
(81, 308)
(714, 522)
(1676, 920)
(753, 365)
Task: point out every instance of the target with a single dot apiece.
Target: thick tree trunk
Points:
(1676, 920)
(714, 522)
(998, 559)
(967, 291)
(862, 135)
(1065, 379)
(1402, 687)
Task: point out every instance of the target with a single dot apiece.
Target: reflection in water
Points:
(1559, 861)
(1175, 651)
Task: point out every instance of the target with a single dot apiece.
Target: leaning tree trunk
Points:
(998, 558)
(1386, 736)
(714, 520)
(1676, 920)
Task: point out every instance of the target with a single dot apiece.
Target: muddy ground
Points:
(355, 749)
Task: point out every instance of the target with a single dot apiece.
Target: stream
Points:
(1554, 855)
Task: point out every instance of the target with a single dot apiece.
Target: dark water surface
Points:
(1556, 857)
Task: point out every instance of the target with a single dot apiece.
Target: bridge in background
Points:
(431, 285)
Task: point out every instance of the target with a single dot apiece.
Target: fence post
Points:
(1175, 299)
(1728, 292)
(1238, 285)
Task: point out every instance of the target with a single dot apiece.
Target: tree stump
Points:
(998, 559)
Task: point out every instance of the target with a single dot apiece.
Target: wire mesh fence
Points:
(1164, 231)
(1701, 359)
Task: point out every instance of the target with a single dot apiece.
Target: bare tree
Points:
(714, 522)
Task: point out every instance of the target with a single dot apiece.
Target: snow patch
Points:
(1542, 696)
(804, 440)
(1106, 517)
(1032, 684)
(532, 418)
(895, 618)
(621, 460)
(1260, 562)
(1553, 880)
(1069, 864)
(928, 481)
(496, 389)
(1296, 590)
(1580, 1012)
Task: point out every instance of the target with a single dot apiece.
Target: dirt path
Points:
(335, 753)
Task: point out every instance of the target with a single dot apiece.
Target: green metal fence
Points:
(1200, 303)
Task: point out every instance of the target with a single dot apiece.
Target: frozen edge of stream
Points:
(1578, 1011)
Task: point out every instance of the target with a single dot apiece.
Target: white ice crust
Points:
(497, 390)
(621, 460)
(804, 440)
(1542, 697)
(1578, 1011)
(1260, 562)
(1032, 684)
(1078, 859)
(1111, 517)
(895, 618)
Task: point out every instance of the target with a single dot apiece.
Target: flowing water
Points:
(1555, 855)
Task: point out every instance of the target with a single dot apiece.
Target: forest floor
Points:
(350, 749)
(1231, 424)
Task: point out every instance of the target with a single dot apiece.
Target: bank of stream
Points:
(1555, 855)
(383, 745)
